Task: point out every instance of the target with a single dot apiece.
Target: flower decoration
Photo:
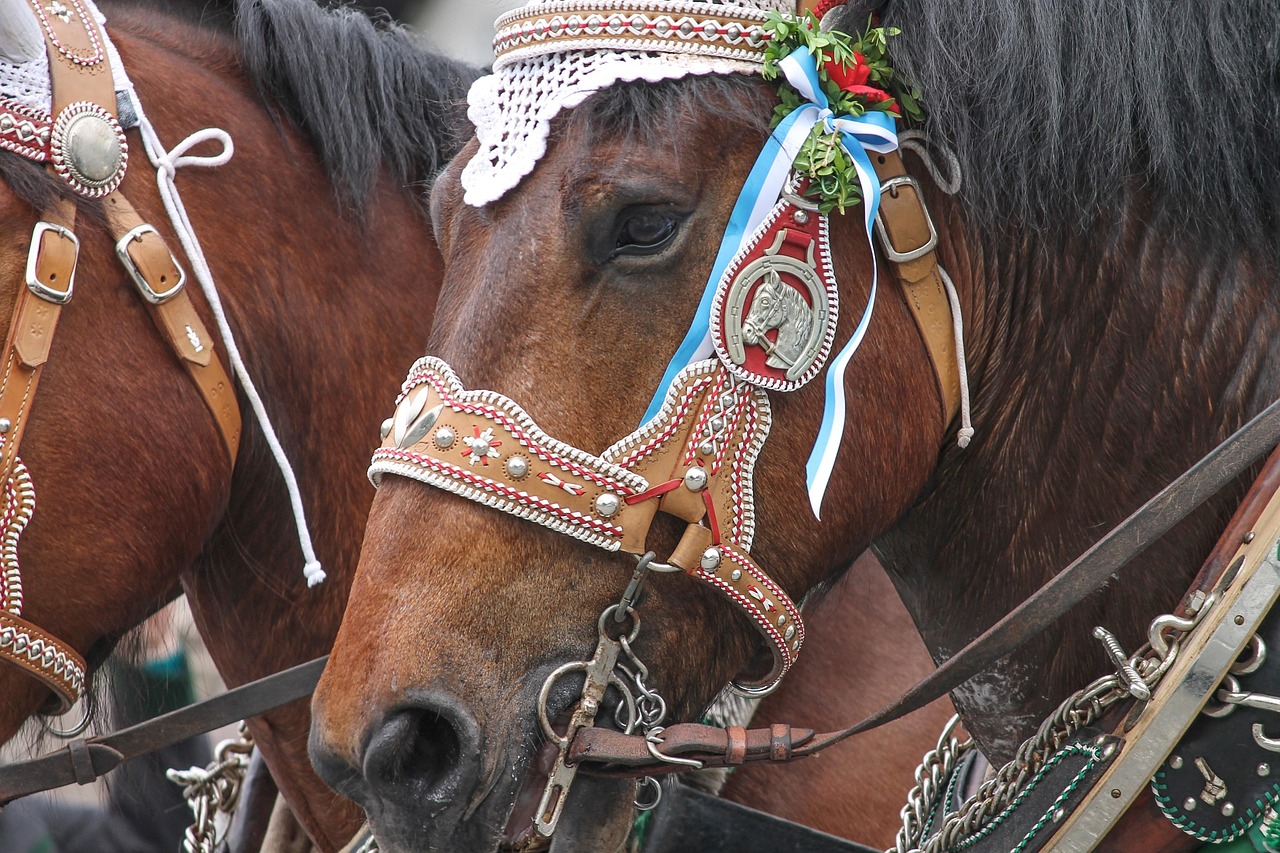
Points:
(857, 78)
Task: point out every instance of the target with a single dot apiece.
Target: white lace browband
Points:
(720, 32)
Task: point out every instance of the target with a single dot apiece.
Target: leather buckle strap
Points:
(161, 282)
(909, 240)
(51, 263)
(894, 186)
(143, 269)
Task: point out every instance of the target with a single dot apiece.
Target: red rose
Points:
(874, 96)
(847, 77)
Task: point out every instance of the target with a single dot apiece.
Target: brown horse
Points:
(378, 256)
(1115, 254)
(136, 500)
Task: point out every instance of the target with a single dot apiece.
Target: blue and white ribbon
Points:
(873, 131)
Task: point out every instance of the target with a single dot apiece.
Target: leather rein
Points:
(83, 144)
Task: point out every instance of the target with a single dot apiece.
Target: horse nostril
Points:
(423, 753)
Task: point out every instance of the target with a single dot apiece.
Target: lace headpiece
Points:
(554, 54)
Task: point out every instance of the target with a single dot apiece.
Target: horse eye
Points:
(644, 233)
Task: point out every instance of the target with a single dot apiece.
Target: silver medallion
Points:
(88, 149)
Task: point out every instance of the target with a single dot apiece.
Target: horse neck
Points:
(328, 308)
(1103, 365)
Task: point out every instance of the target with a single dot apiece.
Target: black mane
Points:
(1060, 110)
(366, 94)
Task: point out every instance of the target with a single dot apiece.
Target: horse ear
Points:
(20, 37)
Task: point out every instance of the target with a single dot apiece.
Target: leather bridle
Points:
(83, 144)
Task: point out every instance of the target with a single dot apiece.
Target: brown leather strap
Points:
(907, 233)
(1084, 576)
(686, 740)
(106, 752)
(160, 281)
(42, 655)
(78, 66)
(49, 278)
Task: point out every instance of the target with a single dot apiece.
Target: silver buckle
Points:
(34, 284)
(887, 244)
(144, 287)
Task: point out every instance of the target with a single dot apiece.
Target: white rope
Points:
(916, 142)
(167, 164)
(957, 328)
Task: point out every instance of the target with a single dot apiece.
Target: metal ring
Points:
(609, 611)
(564, 670)
(78, 728)
(1257, 657)
(1228, 687)
(657, 794)
(789, 194)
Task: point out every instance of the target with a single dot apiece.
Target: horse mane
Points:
(367, 94)
(1061, 111)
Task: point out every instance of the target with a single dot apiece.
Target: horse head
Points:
(568, 296)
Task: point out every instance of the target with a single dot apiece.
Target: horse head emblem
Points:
(778, 306)
(782, 285)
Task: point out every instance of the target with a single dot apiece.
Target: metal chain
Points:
(213, 790)
(932, 778)
(1080, 709)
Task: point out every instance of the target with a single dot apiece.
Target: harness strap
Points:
(106, 752)
(88, 151)
(49, 281)
(909, 239)
(1084, 576)
(161, 283)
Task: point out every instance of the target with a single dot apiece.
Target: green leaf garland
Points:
(833, 180)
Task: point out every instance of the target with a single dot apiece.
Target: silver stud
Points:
(1059, 815)
(445, 436)
(5, 426)
(695, 479)
(608, 505)
(717, 424)
(384, 432)
(782, 620)
(517, 467)
(1228, 809)
(736, 575)
(710, 560)
(1189, 804)
(1264, 769)
(1175, 761)
(801, 217)
(686, 27)
(791, 632)
(706, 448)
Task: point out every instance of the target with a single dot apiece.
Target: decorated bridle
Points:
(767, 320)
(82, 142)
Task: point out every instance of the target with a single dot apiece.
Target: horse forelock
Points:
(1059, 110)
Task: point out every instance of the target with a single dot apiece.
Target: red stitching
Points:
(523, 437)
